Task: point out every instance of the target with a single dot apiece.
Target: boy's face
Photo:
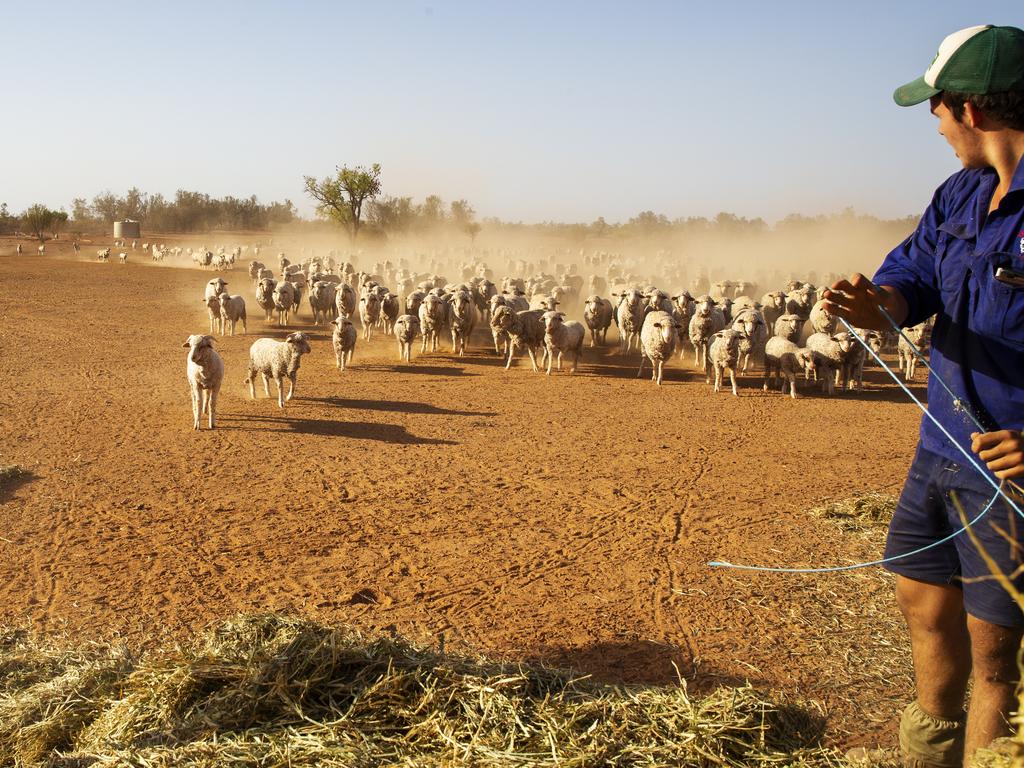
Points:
(963, 137)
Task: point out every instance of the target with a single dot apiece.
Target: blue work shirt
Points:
(947, 268)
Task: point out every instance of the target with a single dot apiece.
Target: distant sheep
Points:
(707, 320)
(205, 372)
(322, 302)
(212, 304)
(524, 329)
(723, 356)
(461, 311)
(597, 314)
(785, 359)
(278, 360)
(369, 313)
(284, 298)
(265, 297)
(920, 335)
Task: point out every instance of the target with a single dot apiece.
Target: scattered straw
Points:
(859, 512)
(274, 690)
(9, 472)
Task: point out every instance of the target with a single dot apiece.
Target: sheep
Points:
(432, 316)
(874, 340)
(265, 274)
(822, 321)
(284, 298)
(836, 359)
(369, 313)
(413, 299)
(722, 356)
(343, 339)
(265, 297)
(920, 335)
(722, 290)
(212, 304)
(121, 257)
(405, 328)
(214, 288)
(232, 309)
(41, 250)
(707, 320)
(277, 359)
(298, 283)
(524, 329)
(561, 337)
(460, 320)
(101, 255)
(204, 369)
(390, 307)
(629, 316)
(773, 306)
(784, 358)
(657, 300)
(497, 332)
(799, 301)
(345, 300)
(788, 327)
(658, 338)
(683, 308)
(254, 271)
(18, 249)
(322, 302)
(755, 334)
(597, 314)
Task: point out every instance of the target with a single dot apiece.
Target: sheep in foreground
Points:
(322, 302)
(789, 327)
(265, 297)
(232, 309)
(723, 355)
(707, 320)
(799, 301)
(432, 314)
(284, 298)
(836, 359)
(406, 328)
(920, 335)
(343, 340)
(205, 372)
(750, 322)
(822, 321)
(214, 287)
(561, 337)
(345, 300)
(278, 360)
(597, 314)
(212, 304)
(369, 313)
(784, 359)
(460, 320)
(629, 316)
(658, 338)
(524, 329)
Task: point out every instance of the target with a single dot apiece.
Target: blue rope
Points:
(991, 481)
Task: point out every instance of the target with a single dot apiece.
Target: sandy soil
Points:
(565, 519)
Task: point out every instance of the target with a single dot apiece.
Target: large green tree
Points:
(37, 219)
(341, 197)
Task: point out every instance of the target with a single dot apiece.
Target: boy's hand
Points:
(1002, 452)
(857, 300)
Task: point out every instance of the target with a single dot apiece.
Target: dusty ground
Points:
(565, 519)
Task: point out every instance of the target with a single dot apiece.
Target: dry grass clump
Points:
(859, 512)
(9, 472)
(273, 690)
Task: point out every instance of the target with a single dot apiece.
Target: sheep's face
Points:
(552, 320)
(198, 344)
(845, 341)
(299, 341)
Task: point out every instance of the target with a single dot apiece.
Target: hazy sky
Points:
(530, 110)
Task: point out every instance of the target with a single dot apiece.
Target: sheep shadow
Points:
(429, 370)
(11, 481)
(357, 430)
(398, 406)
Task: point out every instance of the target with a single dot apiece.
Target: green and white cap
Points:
(983, 59)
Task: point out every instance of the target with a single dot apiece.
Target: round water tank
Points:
(126, 229)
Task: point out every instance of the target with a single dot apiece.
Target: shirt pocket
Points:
(1002, 314)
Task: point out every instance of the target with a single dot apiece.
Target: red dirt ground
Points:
(565, 519)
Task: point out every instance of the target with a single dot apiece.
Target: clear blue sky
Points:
(530, 110)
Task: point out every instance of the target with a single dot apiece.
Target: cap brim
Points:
(914, 93)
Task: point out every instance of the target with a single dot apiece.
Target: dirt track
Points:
(566, 519)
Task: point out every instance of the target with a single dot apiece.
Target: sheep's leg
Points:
(661, 368)
(550, 360)
(195, 407)
(511, 352)
(718, 378)
(559, 359)
(642, 359)
(791, 376)
(212, 406)
(732, 378)
(266, 384)
(251, 381)
(533, 357)
(280, 391)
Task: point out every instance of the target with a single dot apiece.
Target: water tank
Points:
(126, 229)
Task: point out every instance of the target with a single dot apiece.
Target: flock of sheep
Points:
(786, 331)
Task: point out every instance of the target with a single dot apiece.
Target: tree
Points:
(60, 218)
(462, 213)
(36, 219)
(80, 211)
(472, 229)
(104, 205)
(341, 197)
(432, 211)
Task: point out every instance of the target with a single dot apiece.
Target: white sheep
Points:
(629, 316)
(279, 360)
(461, 310)
(322, 301)
(822, 321)
(658, 338)
(406, 327)
(561, 337)
(597, 314)
(708, 319)
(723, 355)
(212, 304)
(232, 309)
(122, 256)
(773, 306)
(920, 335)
(343, 339)
(284, 298)
(432, 317)
(524, 329)
(214, 287)
(789, 327)
(750, 322)
(369, 313)
(800, 300)
(836, 359)
(784, 358)
(205, 372)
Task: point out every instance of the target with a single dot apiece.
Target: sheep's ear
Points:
(187, 344)
(657, 325)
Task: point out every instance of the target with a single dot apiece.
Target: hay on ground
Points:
(860, 512)
(274, 690)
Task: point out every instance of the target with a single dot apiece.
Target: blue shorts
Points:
(926, 513)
